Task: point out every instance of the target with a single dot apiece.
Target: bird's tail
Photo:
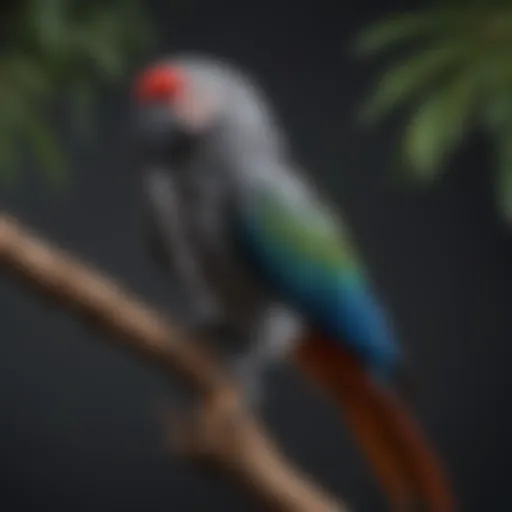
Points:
(400, 456)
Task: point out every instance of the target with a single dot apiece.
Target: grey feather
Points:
(191, 205)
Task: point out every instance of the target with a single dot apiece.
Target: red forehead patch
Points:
(158, 83)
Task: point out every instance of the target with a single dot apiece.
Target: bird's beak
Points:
(154, 128)
(161, 137)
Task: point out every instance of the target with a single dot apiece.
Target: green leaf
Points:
(42, 141)
(413, 76)
(46, 149)
(140, 33)
(26, 75)
(503, 145)
(98, 48)
(22, 119)
(497, 69)
(400, 28)
(497, 111)
(439, 125)
(58, 45)
(47, 22)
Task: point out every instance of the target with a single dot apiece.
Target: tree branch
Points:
(221, 431)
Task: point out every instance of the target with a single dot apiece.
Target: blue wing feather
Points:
(311, 264)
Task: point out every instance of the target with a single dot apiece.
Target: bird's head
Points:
(184, 104)
(176, 108)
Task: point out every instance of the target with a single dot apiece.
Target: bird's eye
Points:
(161, 137)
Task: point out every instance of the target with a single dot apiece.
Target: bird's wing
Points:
(304, 253)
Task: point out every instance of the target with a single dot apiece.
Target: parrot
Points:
(267, 265)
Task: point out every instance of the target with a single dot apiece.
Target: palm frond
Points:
(496, 112)
(26, 120)
(383, 35)
(26, 75)
(460, 74)
(413, 76)
(45, 28)
(503, 147)
(46, 147)
(439, 125)
(58, 50)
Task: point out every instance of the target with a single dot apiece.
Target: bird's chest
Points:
(209, 232)
(201, 206)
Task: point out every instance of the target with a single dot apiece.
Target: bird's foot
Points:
(249, 376)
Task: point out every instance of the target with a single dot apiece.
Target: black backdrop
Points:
(77, 429)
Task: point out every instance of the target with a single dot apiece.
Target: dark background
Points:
(77, 426)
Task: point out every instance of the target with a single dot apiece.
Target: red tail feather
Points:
(400, 456)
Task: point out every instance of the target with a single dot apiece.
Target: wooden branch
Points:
(221, 431)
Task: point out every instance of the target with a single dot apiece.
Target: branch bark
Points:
(220, 432)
